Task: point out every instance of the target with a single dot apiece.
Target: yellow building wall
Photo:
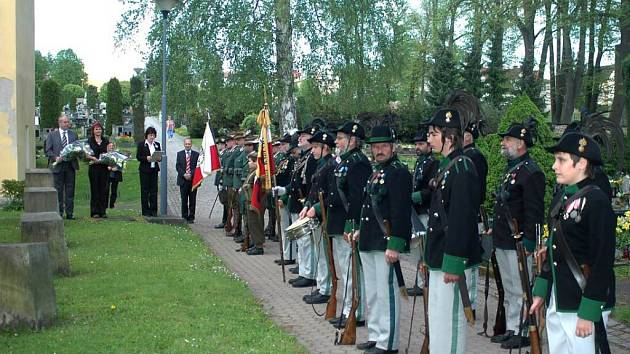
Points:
(17, 88)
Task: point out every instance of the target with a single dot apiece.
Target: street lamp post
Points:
(165, 6)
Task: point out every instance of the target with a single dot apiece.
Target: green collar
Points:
(516, 161)
(380, 166)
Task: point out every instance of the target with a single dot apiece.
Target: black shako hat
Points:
(323, 137)
(579, 144)
(293, 144)
(519, 131)
(445, 118)
(382, 134)
(286, 138)
(352, 128)
(473, 129)
(421, 135)
(309, 129)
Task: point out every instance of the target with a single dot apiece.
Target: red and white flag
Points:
(266, 166)
(208, 158)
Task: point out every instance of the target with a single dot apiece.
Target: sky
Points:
(87, 27)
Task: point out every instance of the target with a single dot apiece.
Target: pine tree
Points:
(50, 104)
(114, 105)
(444, 77)
(137, 98)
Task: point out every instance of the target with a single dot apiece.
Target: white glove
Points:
(279, 190)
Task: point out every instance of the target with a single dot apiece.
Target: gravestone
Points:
(41, 221)
(27, 298)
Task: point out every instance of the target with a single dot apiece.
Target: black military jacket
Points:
(301, 179)
(522, 189)
(390, 188)
(426, 167)
(588, 226)
(319, 183)
(284, 167)
(453, 238)
(481, 166)
(218, 177)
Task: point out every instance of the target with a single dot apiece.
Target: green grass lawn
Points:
(139, 287)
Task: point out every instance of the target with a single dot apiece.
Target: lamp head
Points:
(166, 5)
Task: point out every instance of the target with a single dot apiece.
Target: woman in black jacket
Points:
(148, 172)
(98, 173)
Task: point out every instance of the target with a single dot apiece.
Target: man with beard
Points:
(384, 233)
(520, 201)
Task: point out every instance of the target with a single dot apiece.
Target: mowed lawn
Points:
(139, 287)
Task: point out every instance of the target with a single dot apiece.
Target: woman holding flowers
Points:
(98, 172)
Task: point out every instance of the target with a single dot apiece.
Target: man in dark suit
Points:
(64, 171)
(148, 171)
(185, 166)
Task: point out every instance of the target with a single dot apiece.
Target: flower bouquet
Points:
(77, 149)
(623, 234)
(114, 159)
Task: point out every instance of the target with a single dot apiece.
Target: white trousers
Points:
(383, 300)
(414, 253)
(561, 331)
(289, 248)
(306, 255)
(511, 278)
(343, 266)
(322, 275)
(447, 322)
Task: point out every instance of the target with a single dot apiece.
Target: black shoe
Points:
(191, 221)
(336, 320)
(219, 226)
(291, 281)
(500, 338)
(376, 350)
(240, 239)
(515, 342)
(70, 217)
(294, 270)
(303, 283)
(256, 251)
(366, 345)
(414, 291)
(287, 262)
(313, 293)
(317, 299)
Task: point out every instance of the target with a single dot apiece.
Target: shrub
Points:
(519, 110)
(14, 191)
(249, 123)
(124, 142)
(182, 131)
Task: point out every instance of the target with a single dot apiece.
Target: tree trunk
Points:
(284, 65)
(590, 82)
(561, 10)
(574, 76)
(546, 49)
(622, 51)
(526, 27)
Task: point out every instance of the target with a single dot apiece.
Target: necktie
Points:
(188, 162)
(64, 140)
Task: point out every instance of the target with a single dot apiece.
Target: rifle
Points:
(279, 231)
(539, 263)
(213, 204)
(499, 320)
(228, 222)
(399, 277)
(527, 290)
(349, 334)
(331, 306)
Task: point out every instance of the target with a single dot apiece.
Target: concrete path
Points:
(284, 303)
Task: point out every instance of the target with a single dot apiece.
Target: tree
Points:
(137, 97)
(102, 93)
(472, 66)
(125, 88)
(622, 55)
(496, 80)
(50, 104)
(67, 68)
(42, 69)
(284, 65)
(443, 79)
(70, 93)
(114, 105)
(92, 97)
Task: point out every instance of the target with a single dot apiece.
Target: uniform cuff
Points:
(416, 197)
(453, 264)
(347, 227)
(396, 244)
(318, 209)
(529, 245)
(540, 287)
(590, 309)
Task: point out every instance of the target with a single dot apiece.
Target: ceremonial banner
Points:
(208, 161)
(266, 166)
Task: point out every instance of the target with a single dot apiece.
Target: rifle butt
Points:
(331, 307)
(425, 345)
(534, 340)
(349, 334)
(499, 322)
